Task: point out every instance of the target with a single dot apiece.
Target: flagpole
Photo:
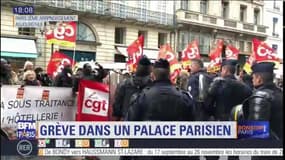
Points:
(73, 57)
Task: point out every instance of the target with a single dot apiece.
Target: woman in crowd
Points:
(29, 79)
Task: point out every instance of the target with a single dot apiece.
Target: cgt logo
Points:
(95, 102)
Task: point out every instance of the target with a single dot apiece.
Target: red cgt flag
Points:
(190, 52)
(263, 53)
(57, 62)
(93, 101)
(64, 34)
(167, 53)
(216, 57)
(231, 52)
(135, 51)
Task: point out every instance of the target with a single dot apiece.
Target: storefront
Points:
(17, 51)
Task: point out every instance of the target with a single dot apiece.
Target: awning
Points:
(151, 54)
(20, 48)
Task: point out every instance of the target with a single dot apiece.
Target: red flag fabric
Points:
(135, 51)
(216, 57)
(93, 101)
(263, 53)
(231, 52)
(64, 34)
(167, 53)
(57, 61)
(189, 53)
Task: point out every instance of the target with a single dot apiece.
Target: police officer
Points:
(130, 87)
(266, 103)
(162, 101)
(226, 91)
(198, 84)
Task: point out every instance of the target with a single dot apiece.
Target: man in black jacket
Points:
(226, 91)
(64, 78)
(198, 84)
(130, 87)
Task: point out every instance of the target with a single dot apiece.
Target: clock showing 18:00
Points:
(23, 10)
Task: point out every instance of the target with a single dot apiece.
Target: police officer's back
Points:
(162, 101)
(227, 92)
(130, 87)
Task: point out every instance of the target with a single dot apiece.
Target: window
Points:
(274, 47)
(242, 13)
(84, 33)
(183, 40)
(184, 4)
(225, 12)
(256, 16)
(203, 6)
(162, 39)
(27, 31)
(275, 6)
(249, 47)
(241, 46)
(275, 20)
(120, 35)
(204, 43)
(144, 33)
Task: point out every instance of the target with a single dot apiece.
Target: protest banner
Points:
(93, 101)
(36, 103)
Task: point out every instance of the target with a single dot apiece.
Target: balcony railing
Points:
(209, 19)
(261, 29)
(248, 27)
(109, 8)
(219, 22)
(230, 23)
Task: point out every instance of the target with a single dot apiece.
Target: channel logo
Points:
(253, 129)
(121, 143)
(26, 129)
(62, 143)
(101, 143)
(24, 147)
(82, 143)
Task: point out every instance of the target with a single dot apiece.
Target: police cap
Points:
(263, 67)
(230, 62)
(161, 63)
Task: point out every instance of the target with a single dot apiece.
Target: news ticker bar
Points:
(160, 152)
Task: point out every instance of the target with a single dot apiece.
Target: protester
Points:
(86, 74)
(99, 73)
(182, 80)
(43, 77)
(29, 79)
(65, 78)
(198, 84)
(6, 73)
(129, 87)
(27, 66)
(245, 78)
